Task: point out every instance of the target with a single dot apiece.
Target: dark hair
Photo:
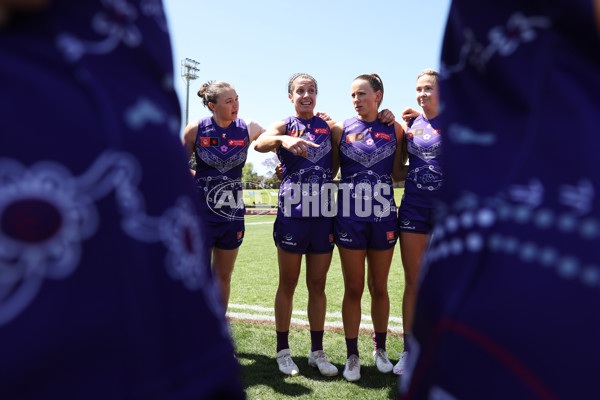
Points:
(374, 81)
(210, 91)
(300, 75)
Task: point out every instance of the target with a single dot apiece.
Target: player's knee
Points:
(316, 286)
(378, 289)
(354, 290)
(288, 285)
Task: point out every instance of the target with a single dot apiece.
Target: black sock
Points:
(379, 339)
(316, 340)
(282, 340)
(351, 347)
(406, 342)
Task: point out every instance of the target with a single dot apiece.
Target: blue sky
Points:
(257, 45)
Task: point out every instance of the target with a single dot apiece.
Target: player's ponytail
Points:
(210, 91)
(375, 82)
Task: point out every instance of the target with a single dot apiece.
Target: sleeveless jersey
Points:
(424, 180)
(366, 190)
(304, 177)
(513, 267)
(220, 156)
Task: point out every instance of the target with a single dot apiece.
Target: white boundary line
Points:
(266, 314)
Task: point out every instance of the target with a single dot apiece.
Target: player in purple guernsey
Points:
(509, 290)
(314, 169)
(421, 191)
(370, 153)
(303, 145)
(220, 146)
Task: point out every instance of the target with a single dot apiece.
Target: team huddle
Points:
(105, 290)
(371, 151)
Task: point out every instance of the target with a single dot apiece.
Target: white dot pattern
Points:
(460, 232)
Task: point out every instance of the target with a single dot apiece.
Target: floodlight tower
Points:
(189, 71)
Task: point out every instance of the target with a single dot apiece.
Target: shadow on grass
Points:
(260, 370)
(263, 370)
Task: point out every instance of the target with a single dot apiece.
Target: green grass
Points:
(254, 283)
(262, 380)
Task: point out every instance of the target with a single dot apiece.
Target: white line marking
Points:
(259, 223)
(270, 311)
(297, 321)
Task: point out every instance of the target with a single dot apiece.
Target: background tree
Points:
(249, 176)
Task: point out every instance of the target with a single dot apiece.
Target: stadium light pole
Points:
(189, 71)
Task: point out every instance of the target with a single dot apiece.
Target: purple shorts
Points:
(360, 235)
(414, 219)
(304, 235)
(225, 235)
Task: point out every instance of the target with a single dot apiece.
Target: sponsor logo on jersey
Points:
(414, 132)
(321, 131)
(224, 136)
(355, 137)
(391, 235)
(331, 238)
(297, 133)
(436, 131)
(288, 237)
(381, 135)
(209, 141)
(405, 222)
(239, 142)
(240, 235)
(343, 233)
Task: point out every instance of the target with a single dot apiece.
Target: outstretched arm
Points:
(275, 136)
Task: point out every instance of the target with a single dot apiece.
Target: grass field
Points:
(253, 287)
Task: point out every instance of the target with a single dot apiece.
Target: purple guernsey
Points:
(424, 143)
(366, 160)
(220, 156)
(306, 176)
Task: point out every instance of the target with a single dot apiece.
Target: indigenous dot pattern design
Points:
(46, 213)
(466, 229)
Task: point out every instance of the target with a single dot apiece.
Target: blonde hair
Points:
(430, 72)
